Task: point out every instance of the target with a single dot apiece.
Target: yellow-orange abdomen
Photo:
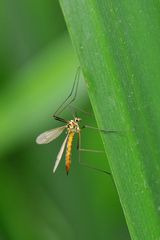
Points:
(68, 151)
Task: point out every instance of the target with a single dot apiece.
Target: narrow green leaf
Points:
(118, 45)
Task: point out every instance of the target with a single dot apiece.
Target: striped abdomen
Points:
(68, 151)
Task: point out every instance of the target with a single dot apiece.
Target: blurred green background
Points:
(38, 66)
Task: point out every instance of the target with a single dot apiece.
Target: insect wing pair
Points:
(49, 136)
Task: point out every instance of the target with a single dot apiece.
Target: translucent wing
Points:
(59, 156)
(50, 135)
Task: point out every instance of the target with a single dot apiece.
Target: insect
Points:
(72, 128)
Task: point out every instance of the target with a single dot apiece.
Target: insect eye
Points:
(78, 119)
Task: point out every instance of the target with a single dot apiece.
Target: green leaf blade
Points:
(118, 48)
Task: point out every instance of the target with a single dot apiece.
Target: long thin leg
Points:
(60, 119)
(73, 92)
(101, 130)
(81, 110)
(89, 150)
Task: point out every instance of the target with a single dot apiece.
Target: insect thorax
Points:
(73, 125)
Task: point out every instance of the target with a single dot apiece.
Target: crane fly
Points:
(72, 127)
